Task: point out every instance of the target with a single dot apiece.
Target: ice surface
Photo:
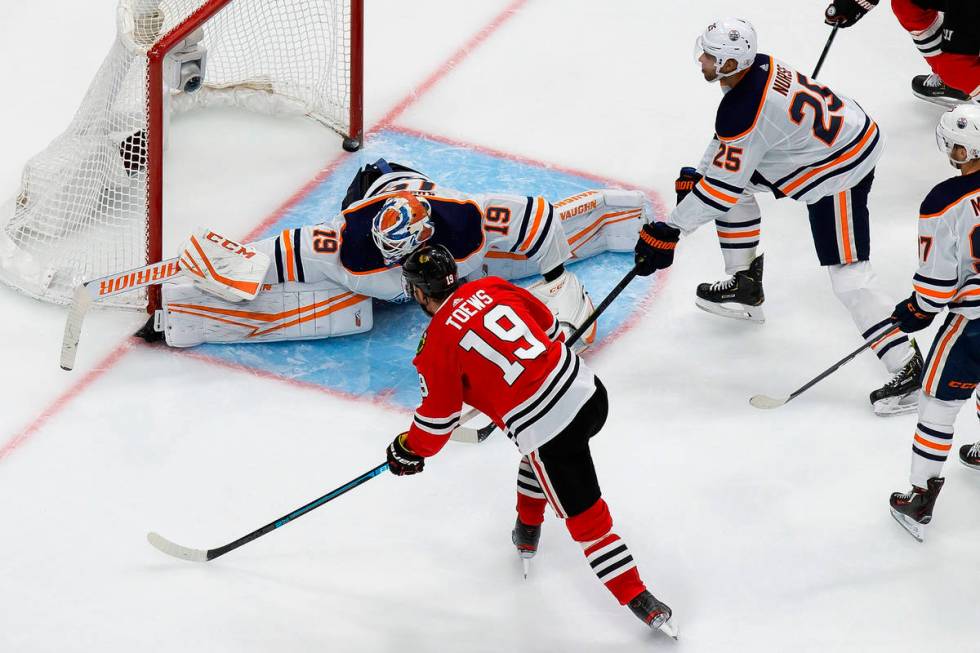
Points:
(764, 530)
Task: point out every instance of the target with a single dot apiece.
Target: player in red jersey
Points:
(490, 344)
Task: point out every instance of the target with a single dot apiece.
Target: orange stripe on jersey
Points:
(740, 234)
(967, 293)
(762, 103)
(932, 445)
(717, 193)
(845, 234)
(287, 246)
(923, 216)
(935, 294)
(850, 154)
(506, 255)
(534, 227)
(940, 350)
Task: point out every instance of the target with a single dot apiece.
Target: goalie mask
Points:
(728, 38)
(960, 126)
(401, 226)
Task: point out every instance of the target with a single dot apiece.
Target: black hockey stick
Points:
(826, 49)
(479, 435)
(201, 555)
(766, 402)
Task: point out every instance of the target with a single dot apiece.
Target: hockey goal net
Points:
(91, 204)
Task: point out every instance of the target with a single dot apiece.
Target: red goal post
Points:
(90, 198)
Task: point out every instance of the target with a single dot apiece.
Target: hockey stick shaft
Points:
(211, 554)
(763, 401)
(826, 49)
(483, 433)
(96, 289)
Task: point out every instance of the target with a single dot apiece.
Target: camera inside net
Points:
(185, 65)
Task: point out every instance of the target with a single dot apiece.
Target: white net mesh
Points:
(82, 211)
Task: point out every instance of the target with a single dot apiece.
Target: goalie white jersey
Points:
(779, 131)
(501, 235)
(323, 278)
(949, 245)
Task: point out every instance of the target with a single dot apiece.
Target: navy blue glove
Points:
(686, 181)
(844, 13)
(911, 317)
(402, 461)
(655, 248)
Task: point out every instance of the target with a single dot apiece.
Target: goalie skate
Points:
(739, 297)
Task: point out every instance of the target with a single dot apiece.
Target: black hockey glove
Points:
(402, 461)
(685, 182)
(911, 317)
(845, 13)
(655, 248)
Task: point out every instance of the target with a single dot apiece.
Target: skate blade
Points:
(669, 628)
(946, 103)
(742, 312)
(526, 563)
(915, 529)
(766, 402)
(966, 464)
(892, 406)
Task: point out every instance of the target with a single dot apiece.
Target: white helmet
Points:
(401, 226)
(960, 126)
(729, 38)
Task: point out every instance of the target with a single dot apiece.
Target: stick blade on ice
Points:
(161, 543)
(766, 402)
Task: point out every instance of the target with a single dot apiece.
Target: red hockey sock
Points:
(530, 510)
(607, 554)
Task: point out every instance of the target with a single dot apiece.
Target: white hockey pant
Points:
(290, 311)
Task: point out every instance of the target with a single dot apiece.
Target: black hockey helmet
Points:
(431, 269)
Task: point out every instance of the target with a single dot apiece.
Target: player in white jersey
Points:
(948, 277)
(778, 131)
(322, 278)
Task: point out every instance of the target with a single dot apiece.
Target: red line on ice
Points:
(109, 361)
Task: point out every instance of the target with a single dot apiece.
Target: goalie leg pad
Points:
(567, 299)
(290, 311)
(604, 220)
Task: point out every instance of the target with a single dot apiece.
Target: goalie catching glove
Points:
(570, 303)
(223, 267)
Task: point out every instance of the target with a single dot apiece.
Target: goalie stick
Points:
(474, 436)
(203, 555)
(103, 287)
(765, 402)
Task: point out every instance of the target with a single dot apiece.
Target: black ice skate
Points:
(654, 613)
(738, 297)
(901, 394)
(525, 538)
(970, 455)
(151, 332)
(913, 510)
(932, 89)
